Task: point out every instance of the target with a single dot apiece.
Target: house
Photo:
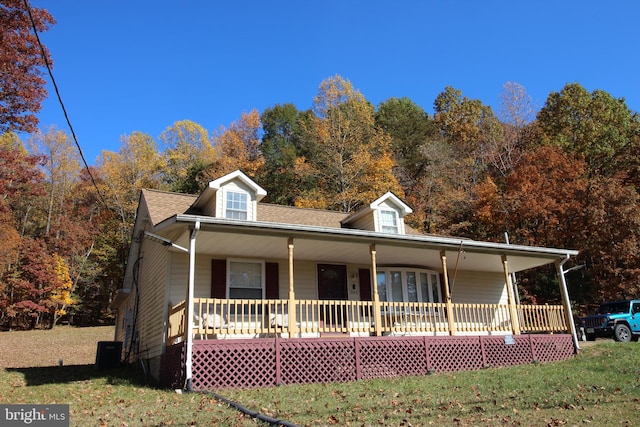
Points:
(223, 290)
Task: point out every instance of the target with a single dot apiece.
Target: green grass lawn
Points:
(601, 386)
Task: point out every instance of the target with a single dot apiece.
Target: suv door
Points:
(634, 322)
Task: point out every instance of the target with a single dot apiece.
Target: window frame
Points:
(385, 227)
(226, 209)
(434, 290)
(263, 285)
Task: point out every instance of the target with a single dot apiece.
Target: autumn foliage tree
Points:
(594, 125)
(22, 87)
(237, 147)
(349, 156)
(187, 151)
(567, 177)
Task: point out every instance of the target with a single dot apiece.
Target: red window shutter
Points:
(364, 275)
(272, 281)
(218, 278)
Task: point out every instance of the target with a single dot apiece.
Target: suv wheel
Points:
(622, 333)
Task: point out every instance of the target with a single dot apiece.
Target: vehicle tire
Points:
(591, 337)
(622, 333)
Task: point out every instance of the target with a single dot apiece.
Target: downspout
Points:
(514, 283)
(188, 365)
(377, 315)
(513, 313)
(567, 303)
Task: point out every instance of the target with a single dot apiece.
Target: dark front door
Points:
(332, 285)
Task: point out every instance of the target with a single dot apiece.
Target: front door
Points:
(332, 285)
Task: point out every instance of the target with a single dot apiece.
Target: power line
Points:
(64, 110)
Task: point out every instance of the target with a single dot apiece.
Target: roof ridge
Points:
(173, 193)
(303, 208)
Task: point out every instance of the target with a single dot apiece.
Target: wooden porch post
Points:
(515, 323)
(447, 294)
(292, 295)
(377, 318)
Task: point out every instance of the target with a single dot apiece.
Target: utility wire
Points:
(64, 110)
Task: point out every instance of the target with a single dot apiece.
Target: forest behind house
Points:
(564, 175)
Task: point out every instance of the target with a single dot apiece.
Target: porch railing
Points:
(227, 318)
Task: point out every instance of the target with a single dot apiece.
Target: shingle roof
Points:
(299, 216)
(164, 204)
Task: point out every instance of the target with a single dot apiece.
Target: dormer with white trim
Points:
(233, 196)
(384, 215)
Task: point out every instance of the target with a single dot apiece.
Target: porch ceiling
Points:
(352, 247)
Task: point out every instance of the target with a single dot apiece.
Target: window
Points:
(389, 221)
(246, 279)
(382, 286)
(236, 205)
(409, 285)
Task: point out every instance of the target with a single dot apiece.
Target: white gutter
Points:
(189, 309)
(330, 233)
(565, 295)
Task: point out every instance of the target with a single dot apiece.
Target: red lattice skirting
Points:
(268, 362)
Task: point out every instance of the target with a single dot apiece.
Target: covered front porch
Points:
(468, 302)
(481, 271)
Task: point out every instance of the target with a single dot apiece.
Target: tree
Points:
(541, 202)
(410, 129)
(28, 284)
(135, 166)
(516, 114)
(238, 147)
(469, 127)
(187, 152)
(61, 170)
(349, 157)
(60, 294)
(280, 148)
(610, 244)
(22, 88)
(466, 123)
(21, 184)
(594, 125)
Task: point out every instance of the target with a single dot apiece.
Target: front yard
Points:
(599, 386)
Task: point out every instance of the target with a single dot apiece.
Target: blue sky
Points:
(125, 66)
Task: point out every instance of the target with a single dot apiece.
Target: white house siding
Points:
(152, 299)
(123, 325)
(472, 287)
(366, 222)
(304, 280)
(179, 278)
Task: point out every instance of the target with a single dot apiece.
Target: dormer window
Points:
(389, 221)
(384, 215)
(236, 206)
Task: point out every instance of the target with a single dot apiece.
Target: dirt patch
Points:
(74, 346)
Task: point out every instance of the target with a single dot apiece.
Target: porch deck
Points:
(242, 319)
(261, 343)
